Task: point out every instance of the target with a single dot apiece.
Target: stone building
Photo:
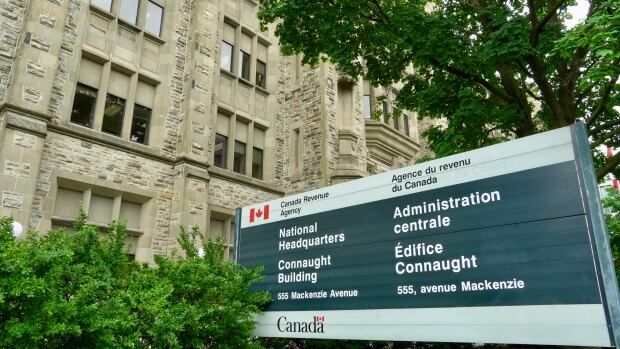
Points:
(172, 113)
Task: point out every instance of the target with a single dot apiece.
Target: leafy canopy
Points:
(79, 290)
(493, 69)
(612, 202)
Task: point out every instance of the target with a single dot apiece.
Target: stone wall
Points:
(229, 194)
(66, 60)
(12, 13)
(93, 162)
(177, 94)
(303, 108)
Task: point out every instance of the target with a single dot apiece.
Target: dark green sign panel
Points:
(481, 235)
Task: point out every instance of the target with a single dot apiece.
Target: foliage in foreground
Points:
(80, 290)
(494, 70)
(612, 201)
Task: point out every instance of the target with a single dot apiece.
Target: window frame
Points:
(234, 140)
(122, 114)
(161, 18)
(261, 82)
(258, 168)
(224, 151)
(240, 162)
(136, 15)
(227, 216)
(245, 65)
(231, 60)
(148, 124)
(109, 9)
(367, 107)
(87, 191)
(135, 96)
(92, 112)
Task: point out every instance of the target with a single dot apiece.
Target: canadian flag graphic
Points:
(260, 213)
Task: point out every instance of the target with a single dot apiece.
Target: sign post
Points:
(504, 244)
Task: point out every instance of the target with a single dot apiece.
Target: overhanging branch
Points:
(605, 136)
(537, 30)
(468, 76)
(608, 166)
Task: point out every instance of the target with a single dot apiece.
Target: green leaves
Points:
(611, 202)
(80, 290)
(490, 70)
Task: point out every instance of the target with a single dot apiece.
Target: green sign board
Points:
(503, 244)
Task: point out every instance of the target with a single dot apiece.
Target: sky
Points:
(579, 12)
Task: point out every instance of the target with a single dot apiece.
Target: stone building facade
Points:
(169, 113)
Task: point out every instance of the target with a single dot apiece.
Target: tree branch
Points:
(605, 136)
(600, 108)
(608, 166)
(537, 30)
(605, 96)
(533, 95)
(587, 91)
(532, 13)
(605, 125)
(524, 69)
(468, 76)
(547, 90)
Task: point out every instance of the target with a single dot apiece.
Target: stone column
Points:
(22, 138)
(189, 202)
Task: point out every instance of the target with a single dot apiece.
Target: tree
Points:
(612, 202)
(494, 70)
(79, 290)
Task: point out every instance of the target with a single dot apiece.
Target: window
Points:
(226, 57)
(385, 111)
(113, 115)
(261, 73)
(100, 209)
(406, 122)
(221, 141)
(131, 214)
(154, 16)
(102, 206)
(261, 65)
(103, 4)
(366, 101)
(366, 107)
(84, 101)
(72, 201)
(296, 150)
(83, 109)
(221, 148)
(241, 140)
(140, 124)
(129, 11)
(118, 89)
(257, 163)
(250, 50)
(142, 111)
(245, 56)
(396, 122)
(239, 158)
(257, 153)
(228, 48)
(222, 226)
(244, 65)
(240, 149)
